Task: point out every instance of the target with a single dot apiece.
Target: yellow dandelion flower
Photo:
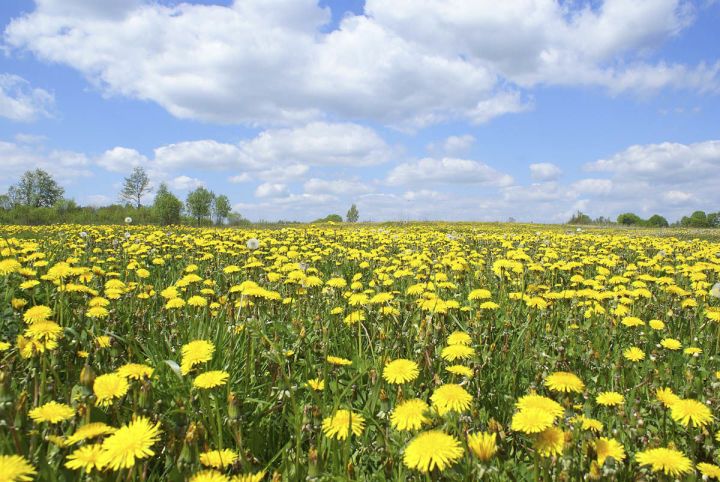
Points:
(209, 476)
(108, 387)
(688, 411)
(341, 423)
(671, 343)
(218, 458)
(656, 324)
(90, 430)
(459, 338)
(16, 468)
(711, 471)
(564, 382)
(432, 449)
(634, 354)
(336, 360)
(531, 420)
(400, 371)
(455, 352)
(194, 353)
(130, 442)
(52, 412)
(316, 384)
(86, 457)
(483, 445)
(608, 447)
(135, 371)
(550, 442)
(450, 397)
(669, 461)
(534, 401)
(211, 379)
(409, 415)
(610, 399)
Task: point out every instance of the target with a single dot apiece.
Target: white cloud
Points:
(271, 190)
(424, 195)
(677, 197)
(458, 145)
(319, 144)
(272, 154)
(545, 171)
(67, 166)
(121, 159)
(284, 174)
(465, 61)
(338, 187)
(447, 171)
(185, 183)
(240, 178)
(593, 186)
(22, 103)
(668, 162)
(203, 154)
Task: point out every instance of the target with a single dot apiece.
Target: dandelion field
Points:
(405, 352)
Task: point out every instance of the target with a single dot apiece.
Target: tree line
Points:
(698, 219)
(38, 199)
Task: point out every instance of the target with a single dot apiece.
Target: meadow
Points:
(331, 352)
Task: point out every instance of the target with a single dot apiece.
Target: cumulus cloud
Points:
(203, 154)
(401, 63)
(121, 159)
(458, 145)
(545, 171)
(66, 166)
(185, 183)
(447, 170)
(240, 178)
(319, 144)
(272, 190)
(592, 186)
(20, 102)
(275, 153)
(667, 162)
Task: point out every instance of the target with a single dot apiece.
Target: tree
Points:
(629, 219)
(36, 189)
(198, 203)
(5, 202)
(698, 219)
(221, 208)
(580, 218)
(167, 207)
(330, 218)
(352, 214)
(713, 220)
(135, 187)
(657, 221)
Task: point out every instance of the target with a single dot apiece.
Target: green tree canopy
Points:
(657, 221)
(167, 206)
(136, 185)
(199, 202)
(221, 208)
(352, 214)
(629, 219)
(36, 189)
(580, 218)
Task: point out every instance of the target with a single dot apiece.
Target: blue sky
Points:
(295, 109)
